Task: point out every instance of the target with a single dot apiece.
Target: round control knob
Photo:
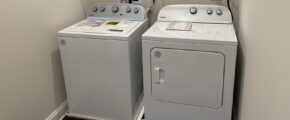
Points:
(219, 11)
(193, 10)
(209, 11)
(102, 9)
(128, 9)
(96, 9)
(115, 8)
(136, 10)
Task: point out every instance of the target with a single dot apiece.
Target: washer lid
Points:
(100, 27)
(199, 33)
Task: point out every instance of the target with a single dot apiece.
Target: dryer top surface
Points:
(202, 24)
(220, 34)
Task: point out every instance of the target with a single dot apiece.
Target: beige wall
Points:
(264, 59)
(31, 81)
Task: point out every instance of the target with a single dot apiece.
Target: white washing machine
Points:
(102, 62)
(189, 58)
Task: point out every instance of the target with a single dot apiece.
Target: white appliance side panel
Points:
(187, 77)
(135, 51)
(97, 77)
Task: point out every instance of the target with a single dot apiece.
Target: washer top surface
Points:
(102, 27)
(200, 24)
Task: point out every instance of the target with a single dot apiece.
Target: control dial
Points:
(102, 9)
(128, 9)
(136, 10)
(96, 9)
(115, 8)
(193, 10)
(219, 11)
(209, 11)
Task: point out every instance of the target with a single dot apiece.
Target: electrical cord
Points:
(229, 6)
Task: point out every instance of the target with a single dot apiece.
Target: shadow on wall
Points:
(240, 66)
(86, 5)
(238, 82)
(58, 78)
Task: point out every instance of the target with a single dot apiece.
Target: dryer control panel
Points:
(196, 13)
(118, 11)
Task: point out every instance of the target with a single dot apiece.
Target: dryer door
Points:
(188, 77)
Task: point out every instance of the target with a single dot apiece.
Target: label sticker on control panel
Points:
(112, 23)
(179, 26)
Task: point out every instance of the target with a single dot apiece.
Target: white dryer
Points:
(189, 58)
(102, 62)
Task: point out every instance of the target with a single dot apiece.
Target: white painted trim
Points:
(141, 114)
(59, 112)
(61, 118)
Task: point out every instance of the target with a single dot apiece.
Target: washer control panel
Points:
(196, 13)
(118, 11)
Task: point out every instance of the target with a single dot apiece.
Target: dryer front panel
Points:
(187, 77)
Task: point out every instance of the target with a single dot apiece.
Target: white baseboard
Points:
(141, 114)
(139, 117)
(59, 112)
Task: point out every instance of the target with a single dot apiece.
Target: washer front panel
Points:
(90, 71)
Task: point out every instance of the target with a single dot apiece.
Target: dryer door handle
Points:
(159, 75)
